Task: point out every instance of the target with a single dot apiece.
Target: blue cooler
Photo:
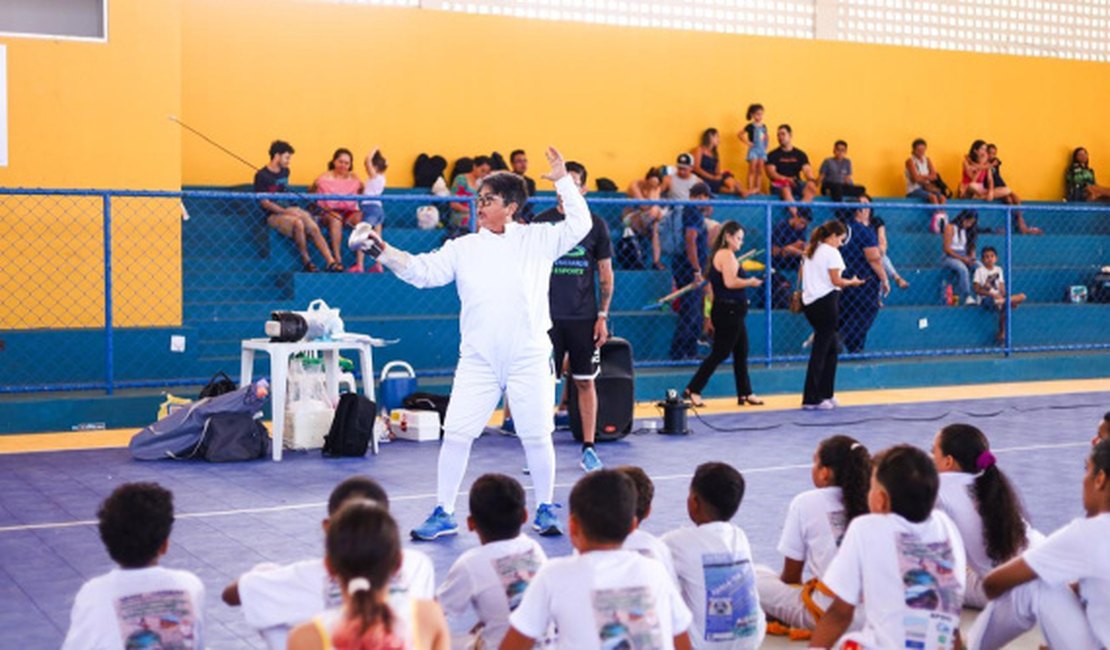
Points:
(395, 386)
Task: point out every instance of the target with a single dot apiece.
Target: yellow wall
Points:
(619, 99)
(84, 114)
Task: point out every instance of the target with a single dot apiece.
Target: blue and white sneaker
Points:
(546, 522)
(590, 460)
(439, 524)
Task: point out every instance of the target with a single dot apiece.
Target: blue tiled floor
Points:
(42, 568)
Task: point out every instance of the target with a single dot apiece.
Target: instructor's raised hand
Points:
(558, 165)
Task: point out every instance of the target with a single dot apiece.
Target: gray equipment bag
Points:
(181, 433)
(231, 437)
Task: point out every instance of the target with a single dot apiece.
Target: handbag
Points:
(218, 385)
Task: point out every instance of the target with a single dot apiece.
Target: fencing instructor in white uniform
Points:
(502, 273)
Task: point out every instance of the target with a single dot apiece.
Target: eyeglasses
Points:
(486, 199)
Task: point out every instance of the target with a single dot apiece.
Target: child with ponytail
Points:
(363, 552)
(815, 524)
(980, 500)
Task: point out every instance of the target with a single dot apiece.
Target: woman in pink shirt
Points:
(339, 179)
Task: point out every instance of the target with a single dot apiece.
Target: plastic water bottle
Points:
(949, 295)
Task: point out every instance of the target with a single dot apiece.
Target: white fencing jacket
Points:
(502, 279)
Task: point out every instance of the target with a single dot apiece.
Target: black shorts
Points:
(575, 339)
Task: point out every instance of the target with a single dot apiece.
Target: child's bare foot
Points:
(901, 282)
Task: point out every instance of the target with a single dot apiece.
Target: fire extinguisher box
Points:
(420, 426)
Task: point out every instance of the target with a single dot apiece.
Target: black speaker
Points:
(615, 394)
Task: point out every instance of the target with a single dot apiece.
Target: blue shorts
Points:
(373, 213)
(921, 194)
(757, 152)
(797, 185)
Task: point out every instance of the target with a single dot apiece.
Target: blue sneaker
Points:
(590, 460)
(546, 522)
(439, 524)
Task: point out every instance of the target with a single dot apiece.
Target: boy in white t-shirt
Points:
(640, 540)
(140, 604)
(991, 289)
(275, 599)
(716, 573)
(1077, 553)
(905, 560)
(492, 578)
(604, 596)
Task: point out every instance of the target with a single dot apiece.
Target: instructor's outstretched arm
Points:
(559, 238)
(433, 269)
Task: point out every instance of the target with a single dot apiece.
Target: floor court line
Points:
(432, 495)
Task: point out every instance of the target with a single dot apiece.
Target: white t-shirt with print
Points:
(149, 607)
(603, 599)
(815, 273)
(650, 546)
(717, 577)
(911, 576)
(491, 578)
(989, 279)
(1080, 552)
(814, 526)
(276, 599)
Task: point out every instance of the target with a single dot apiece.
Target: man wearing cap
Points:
(788, 168)
(677, 185)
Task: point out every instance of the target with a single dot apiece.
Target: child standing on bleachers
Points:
(905, 561)
(373, 212)
(714, 563)
(604, 596)
(1077, 553)
(140, 604)
(815, 525)
(640, 540)
(276, 598)
(492, 578)
(755, 137)
(979, 499)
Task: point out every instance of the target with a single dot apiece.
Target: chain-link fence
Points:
(129, 289)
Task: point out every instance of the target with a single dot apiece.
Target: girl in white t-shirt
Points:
(363, 552)
(905, 561)
(979, 498)
(821, 285)
(815, 524)
(372, 211)
(1077, 553)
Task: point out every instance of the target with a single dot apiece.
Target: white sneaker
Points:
(835, 402)
(971, 301)
(808, 342)
(826, 405)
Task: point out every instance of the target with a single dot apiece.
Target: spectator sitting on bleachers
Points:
(924, 183)
(707, 165)
(677, 186)
(339, 179)
(977, 181)
(1009, 199)
(641, 222)
(959, 252)
(835, 175)
(789, 171)
(373, 212)
(788, 242)
(290, 221)
(519, 162)
(1079, 180)
(466, 184)
(881, 232)
(991, 289)
(140, 604)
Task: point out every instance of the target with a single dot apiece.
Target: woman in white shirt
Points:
(815, 524)
(980, 500)
(821, 285)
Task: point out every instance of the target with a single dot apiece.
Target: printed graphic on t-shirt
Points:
(626, 619)
(516, 572)
(838, 524)
(160, 620)
(932, 592)
(731, 603)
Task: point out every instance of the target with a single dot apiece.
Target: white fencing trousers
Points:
(1055, 607)
(784, 601)
(529, 382)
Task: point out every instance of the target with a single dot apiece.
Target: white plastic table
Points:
(280, 353)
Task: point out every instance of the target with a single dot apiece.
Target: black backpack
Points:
(219, 384)
(231, 437)
(352, 426)
(420, 401)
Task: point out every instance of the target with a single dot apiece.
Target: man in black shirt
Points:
(291, 221)
(788, 168)
(579, 326)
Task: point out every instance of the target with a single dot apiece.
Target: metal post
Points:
(109, 342)
(767, 278)
(1008, 274)
(472, 203)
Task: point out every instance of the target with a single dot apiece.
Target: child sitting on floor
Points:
(492, 578)
(904, 561)
(640, 540)
(140, 604)
(275, 598)
(604, 596)
(714, 563)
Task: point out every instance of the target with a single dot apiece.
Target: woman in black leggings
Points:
(730, 306)
(821, 285)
